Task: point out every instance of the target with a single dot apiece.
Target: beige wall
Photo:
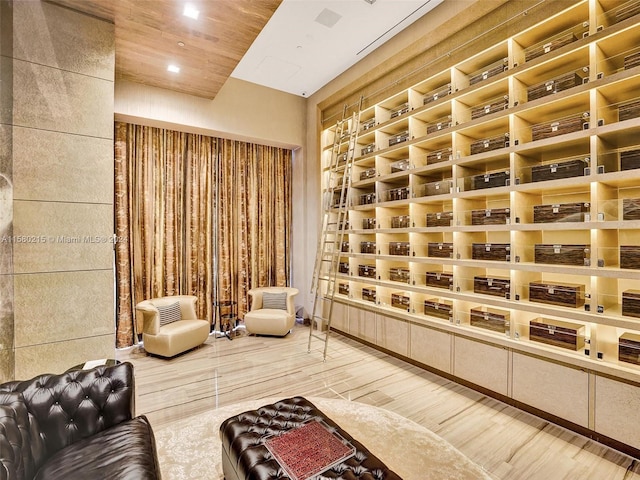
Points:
(61, 161)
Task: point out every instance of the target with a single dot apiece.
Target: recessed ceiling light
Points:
(181, 44)
(191, 11)
(173, 69)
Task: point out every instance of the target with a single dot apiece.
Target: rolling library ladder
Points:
(334, 223)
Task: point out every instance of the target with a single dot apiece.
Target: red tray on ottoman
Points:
(248, 440)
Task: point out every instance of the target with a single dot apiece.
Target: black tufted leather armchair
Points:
(245, 457)
(77, 425)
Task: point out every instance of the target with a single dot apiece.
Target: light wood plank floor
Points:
(507, 442)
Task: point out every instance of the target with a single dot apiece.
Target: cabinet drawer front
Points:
(491, 216)
(562, 212)
(491, 251)
(555, 171)
(565, 295)
(577, 255)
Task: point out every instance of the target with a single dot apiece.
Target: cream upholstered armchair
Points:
(170, 325)
(272, 311)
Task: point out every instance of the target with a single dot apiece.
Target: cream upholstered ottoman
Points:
(272, 311)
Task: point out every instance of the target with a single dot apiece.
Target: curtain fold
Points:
(197, 215)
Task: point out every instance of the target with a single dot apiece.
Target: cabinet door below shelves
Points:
(431, 347)
(392, 334)
(560, 390)
(616, 404)
(482, 364)
(362, 324)
(340, 317)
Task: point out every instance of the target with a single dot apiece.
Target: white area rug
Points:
(191, 448)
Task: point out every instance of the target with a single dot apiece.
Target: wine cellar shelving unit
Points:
(494, 220)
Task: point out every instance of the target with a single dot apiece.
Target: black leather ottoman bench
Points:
(245, 456)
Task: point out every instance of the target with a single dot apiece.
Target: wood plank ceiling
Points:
(148, 32)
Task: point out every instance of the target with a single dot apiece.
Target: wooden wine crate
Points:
(439, 309)
(368, 173)
(491, 107)
(629, 110)
(367, 149)
(549, 46)
(437, 93)
(555, 85)
(400, 166)
(368, 271)
(561, 212)
(564, 295)
(437, 188)
(491, 251)
(492, 319)
(496, 286)
(630, 160)
(439, 156)
(632, 60)
(344, 247)
(342, 158)
(343, 288)
(489, 144)
(627, 11)
(562, 126)
(401, 193)
(629, 348)
(630, 257)
(555, 171)
(631, 303)
(439, 125)
(567, 335)
(491, 71)
(368, 223)
(440, 219)
(399, 110)
(631, 209)
(491, 216)
(401, 221)
(368, 247)
(399, 248)
(400, 300)
(440, 249)
(399, 138)
(399, 274)
(343, 267)
(577, 255)
(368, 124)
(490, 180)
(369, 294)
(367, 198)
(439, 280)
